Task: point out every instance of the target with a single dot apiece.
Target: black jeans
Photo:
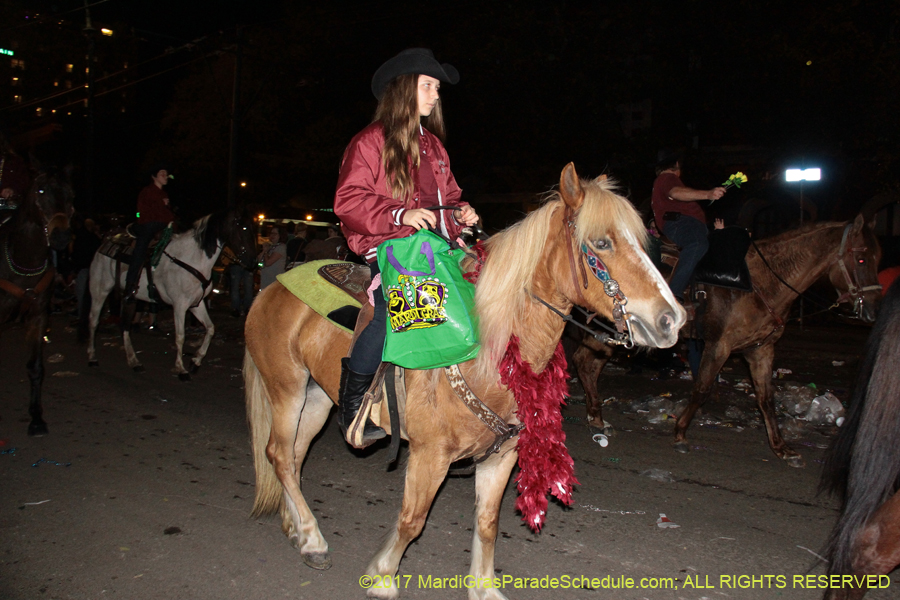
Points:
(144, 233)
(369, 345)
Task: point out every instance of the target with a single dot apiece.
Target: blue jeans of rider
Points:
(690, 235)
(240, 276)
(369, 345)
(144, 233)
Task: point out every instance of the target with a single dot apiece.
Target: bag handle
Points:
(425, 249)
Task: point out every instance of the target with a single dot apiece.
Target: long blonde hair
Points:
(398, 112)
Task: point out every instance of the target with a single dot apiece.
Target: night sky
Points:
(754, 86)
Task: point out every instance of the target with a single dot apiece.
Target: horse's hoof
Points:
(317, 560)
(194, 368)
(795, 461)
(93, 363)
(682, 447)
(184, 376)
(138, 368)
(37, 429)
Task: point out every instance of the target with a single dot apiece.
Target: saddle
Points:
(723, 265)
(119, 245)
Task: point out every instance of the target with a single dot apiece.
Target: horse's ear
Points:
(858, 224)
(570, 187)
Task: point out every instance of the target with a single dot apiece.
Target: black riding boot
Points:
(353, 388)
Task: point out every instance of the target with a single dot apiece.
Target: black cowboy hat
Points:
(419, 61)
(154, 169)
(667, 157)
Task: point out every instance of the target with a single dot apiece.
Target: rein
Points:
(204, 282)
(853, 292)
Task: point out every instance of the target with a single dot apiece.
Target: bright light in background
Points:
(107, 32)
(261, 217)
(243, 184)
(309, 217)
(814, 174)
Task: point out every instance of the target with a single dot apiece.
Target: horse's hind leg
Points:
(490, 481)
(100, 284)
(760, 360)
(589, 359)
(34, 333)
(426, 472)
(202, 315)
(297, 416)
(714, 356)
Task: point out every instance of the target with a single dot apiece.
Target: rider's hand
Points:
(716, 193)
(465, 215)
(419, 218)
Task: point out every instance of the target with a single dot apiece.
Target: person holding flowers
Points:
(681, 218)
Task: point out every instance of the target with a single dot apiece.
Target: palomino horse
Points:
(182, 279)
(290, 349)
(863, 465)
(40, 224)
(781, 267)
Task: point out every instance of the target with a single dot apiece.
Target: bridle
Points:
(855, 291)
(622, 335)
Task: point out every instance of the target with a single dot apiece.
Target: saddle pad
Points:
(116, 250)
(309, 286)
(725, 263)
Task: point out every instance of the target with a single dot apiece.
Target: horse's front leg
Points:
(34, 333)
(202, 315)
(714, 356)
(760, 360)
(589, 359)
(490, 481)
(427, 469)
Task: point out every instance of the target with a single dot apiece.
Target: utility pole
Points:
(89, 135)
(235, 124)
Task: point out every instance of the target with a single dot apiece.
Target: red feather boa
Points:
(544, 461)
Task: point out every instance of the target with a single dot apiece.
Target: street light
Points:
(801, 175)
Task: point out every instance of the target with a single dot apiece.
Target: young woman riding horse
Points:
(39, 224)
(292, 366)
(392, 171)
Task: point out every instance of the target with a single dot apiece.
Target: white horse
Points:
(182, 279)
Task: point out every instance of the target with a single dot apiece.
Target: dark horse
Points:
(751, 322)
(39, 224)
(863, 464)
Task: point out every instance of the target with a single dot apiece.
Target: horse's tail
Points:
(269, 495)
(863, 462)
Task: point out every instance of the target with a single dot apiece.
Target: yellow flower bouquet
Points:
(735, 180)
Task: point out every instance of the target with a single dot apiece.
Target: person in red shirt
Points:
(681, 219)
(154, 215)
(391, 171)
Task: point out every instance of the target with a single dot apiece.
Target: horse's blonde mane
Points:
(513, 256)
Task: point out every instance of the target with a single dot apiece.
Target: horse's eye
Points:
(602, 244)
(861, 261)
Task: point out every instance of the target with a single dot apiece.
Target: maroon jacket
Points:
(363, 202)
(151, 207)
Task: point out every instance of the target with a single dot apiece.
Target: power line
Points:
(52, 17)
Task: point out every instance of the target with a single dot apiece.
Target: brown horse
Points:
(751, 322)
(863, 465)
(292, 369)
(40, 224)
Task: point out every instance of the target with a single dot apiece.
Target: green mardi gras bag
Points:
(430, 305)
